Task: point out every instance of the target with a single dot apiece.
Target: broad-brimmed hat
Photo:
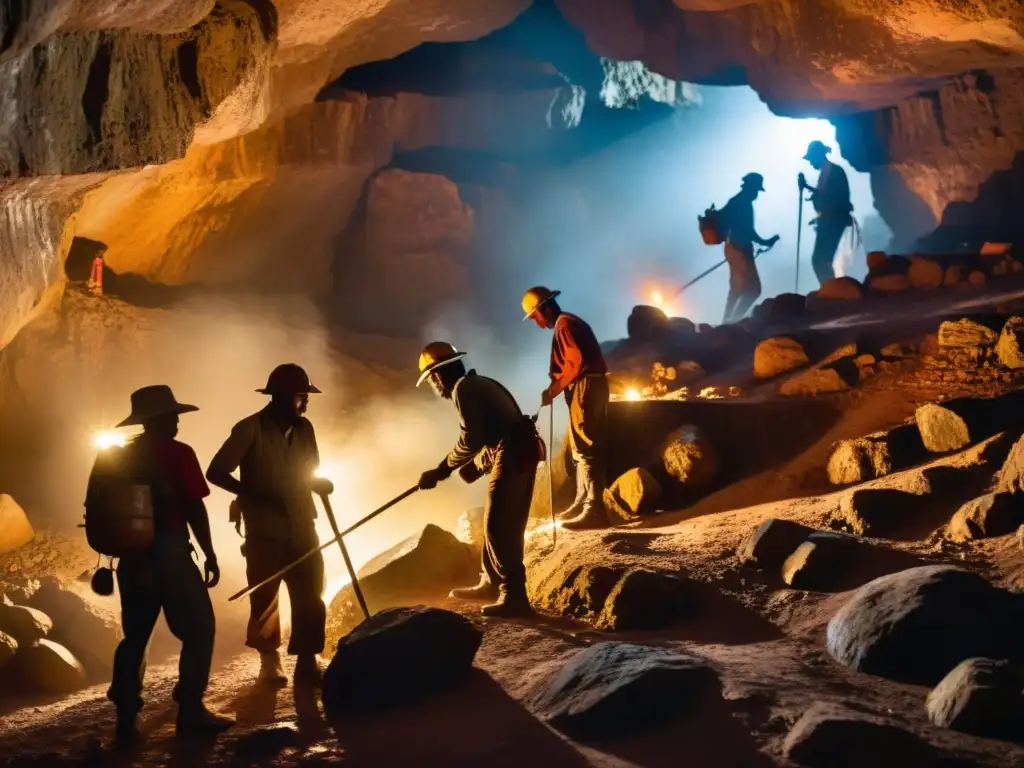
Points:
(817, 149)
(153, 402)
(289, 379)
(755, 180)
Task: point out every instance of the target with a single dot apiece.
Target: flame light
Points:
(632, 394)
(109, 439)
(657, 300)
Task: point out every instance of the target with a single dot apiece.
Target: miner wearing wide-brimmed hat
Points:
(276, 455)
(164, 577)
(497, 440)
(831, 201)
(737, 225)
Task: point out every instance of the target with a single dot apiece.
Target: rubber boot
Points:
(485, 590)
(271, 670)
(197, 720)
(576, 507)
(594, 515)
(126, 733)
(308, 671)
(510, 604)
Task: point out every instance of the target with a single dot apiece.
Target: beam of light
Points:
(109, 438)
(657, 300)
(632, 394)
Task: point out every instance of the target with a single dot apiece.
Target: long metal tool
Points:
(799, 231)
(551, 477)
(708, 271)
(344, 554)
(401, 497)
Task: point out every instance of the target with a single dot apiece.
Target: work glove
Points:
(321, 486)
(211, 571)
(432, 477)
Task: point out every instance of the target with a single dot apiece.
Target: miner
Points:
(276, 455)
(577, 369)
(831, 201)
(495, 439)
(165, 578)
(737, 223)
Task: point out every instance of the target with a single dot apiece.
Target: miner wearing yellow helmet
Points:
(496, 439)
(579, 370)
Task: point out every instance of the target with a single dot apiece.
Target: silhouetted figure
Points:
(831, 200)
(736, 220)
(96, 273)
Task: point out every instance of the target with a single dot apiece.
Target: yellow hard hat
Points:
(534, 298)
(434, 355)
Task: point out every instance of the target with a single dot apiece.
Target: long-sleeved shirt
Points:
(738, 216)
(574, 351)
(487, 414)
(276, 469)
(831, 199)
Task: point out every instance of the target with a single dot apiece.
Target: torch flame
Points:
(109, 439)
(632, 394)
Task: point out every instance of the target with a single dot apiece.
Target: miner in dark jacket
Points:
(737, 222)
(495, 439)
(277, 457)
(165, 578)
(578, 370)
(831, 201)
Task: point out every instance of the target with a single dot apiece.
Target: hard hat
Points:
(103, 582)
(535, 298)
(435, 355)
(816, 149)
(288, 379)
(755, 180)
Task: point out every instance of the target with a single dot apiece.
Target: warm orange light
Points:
(632, 394)
(109, 439)
(657, 300)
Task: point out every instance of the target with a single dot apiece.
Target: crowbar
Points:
(344, 554)
(708, 271)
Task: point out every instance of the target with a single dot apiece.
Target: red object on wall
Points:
(96, 277)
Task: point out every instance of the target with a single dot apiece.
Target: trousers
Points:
(506, 513)
(826, 240)
(165, 579)
(744, 282)
(306, 582)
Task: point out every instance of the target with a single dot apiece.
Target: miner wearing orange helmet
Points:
(579, 370)
(495, 439)
(276, 455)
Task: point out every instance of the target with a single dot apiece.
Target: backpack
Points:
(709, 227)
(119, 510)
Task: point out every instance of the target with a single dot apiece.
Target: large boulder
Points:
(830, 736)
(775, 356)
(634, 494)
(643, 599)
(817, 381)
(646, 322)
(397, 656)
(888, 627)
(8, 647)
(771, 542)
(984, 697)
(1010, 346)
(91, 636)
(421, 568)
(15, 529)
(952, 424)
(24, 624)
(942, 429)
(925, 273)
(583, 593)
(689, 458)
(875, 455)
(611, 689)
(49, 668)
(966, 333)
(993, 514)
(880, 511)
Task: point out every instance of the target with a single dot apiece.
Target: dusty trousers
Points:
(506, 512)
(166, 578)
(744, 282)
(826, 241)
(305, 582)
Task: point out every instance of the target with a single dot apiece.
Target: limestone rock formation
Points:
(984, 697)
(817, 381)
(993, 514)
(875, 455)
(594, 696)
(953, 424)
(778, 355)
(397, 656)
(966, 333)
(15, 529)
(887, 626)
(1008, 347)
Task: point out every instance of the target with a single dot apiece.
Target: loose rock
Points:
(643, 599)
(976, 278)
(879, 511)
(771, 542)
(24, 624)
(598, 693)
(965, 333)
(833, 562)
(646, 322)
(829, 736)
(982, 697)
(818, 381)
(994, 514)
(689, 458)
(634, 493)
(875, 455)
(1009, 347)
(777, 355)
(585, 590)
(47, 667)
(875, 259)
(954, 276)
(896, 283)
(15, 529)
(953, 424)
(841, 289)
(397, 656)
(925, 273)
(888, 627)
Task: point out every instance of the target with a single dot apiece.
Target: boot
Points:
(594, 515)
(126, 733)
(485, 590)
(271, 671)
(576, 507)
(308, 671)
(197, 720)
(509, 605)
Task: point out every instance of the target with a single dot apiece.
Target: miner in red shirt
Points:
(165, 578)
(578, 369)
